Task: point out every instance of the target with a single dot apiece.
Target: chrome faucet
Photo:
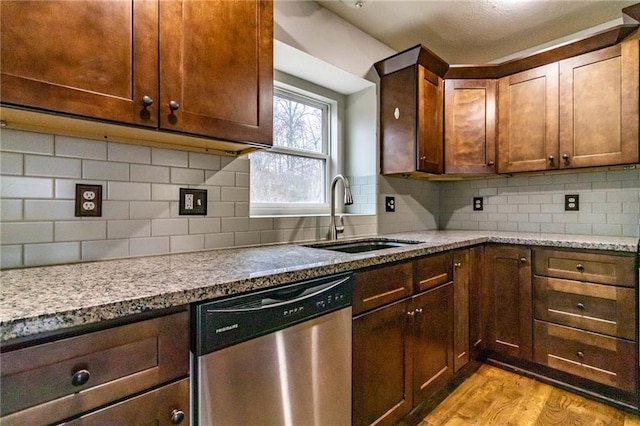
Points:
(334, 229)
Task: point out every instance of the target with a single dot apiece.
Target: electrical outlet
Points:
(193, 202)
(478, 203)
(390, 204)
(571, 203)
(88, 200)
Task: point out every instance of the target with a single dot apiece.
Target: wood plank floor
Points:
(492, 396)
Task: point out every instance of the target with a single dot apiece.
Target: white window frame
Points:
(331, 144)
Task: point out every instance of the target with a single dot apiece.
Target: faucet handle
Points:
(340, 228)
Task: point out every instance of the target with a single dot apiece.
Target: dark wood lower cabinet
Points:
(432, 334)
(508, 275)
(381, 387)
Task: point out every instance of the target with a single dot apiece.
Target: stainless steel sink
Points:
(362, 246)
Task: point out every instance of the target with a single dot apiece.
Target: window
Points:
(292, 177)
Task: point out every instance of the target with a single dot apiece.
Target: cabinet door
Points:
(432, 313)
(381, 388)
(599, 107)
(479, 300)
(430, 118)
(470, 126)
(528, 120)
(89, 58)
(508, 270)
(216, 66)
(461, 269)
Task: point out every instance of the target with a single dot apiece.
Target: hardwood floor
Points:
(492, 396)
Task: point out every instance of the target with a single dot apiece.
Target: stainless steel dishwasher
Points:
(275, 357)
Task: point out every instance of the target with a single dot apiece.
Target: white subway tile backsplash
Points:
(128, 153)
(49, 209)
(145, 173)
(39, 165)
(10, 256)
(215, 241)
(250, 238)
(187, 176)
(115, 210)
(235, 224)
(578, 228)
(165, 192)
(204, 161)
(607, 229)
(220, 178)
(181, 243)
(204, 225)
(220, 209)
(108, 249)
(169, 157)
(104, 170)
(26, 232)
(49, 254)
(149, 209)
(80, 231)
(11, 163)
(148, 246)
(242, 209)
(235, 194)
(66, 188)
(128, 229)
(28, 142)
(25, 187)
(242, 180)
(165, 227)
(231, 164)
(11, 210)
(128, 191)
(66, 146)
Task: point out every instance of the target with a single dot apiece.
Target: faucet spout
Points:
(334, 229)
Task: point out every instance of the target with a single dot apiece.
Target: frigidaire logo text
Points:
(226, 328)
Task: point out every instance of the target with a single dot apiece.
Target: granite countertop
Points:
(51, 298)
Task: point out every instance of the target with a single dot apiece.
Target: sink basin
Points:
(363, 246)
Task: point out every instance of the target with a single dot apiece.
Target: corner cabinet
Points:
(411, 112)
(470, 126)
(193, 67)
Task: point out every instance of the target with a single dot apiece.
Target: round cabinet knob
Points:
(580, 267)
(419, 311)
(457, 264)
(80, 377)
(396, 113)
(173, 106)
(580, 306)
(523, 260)
(552, 158)
(147, 101)
(580, 354)
(490, 163)
(177, 416)
(565, 157)
(411, 313)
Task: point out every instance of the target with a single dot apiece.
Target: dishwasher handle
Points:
(277, 298)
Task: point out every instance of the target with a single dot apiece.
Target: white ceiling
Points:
(478, 31)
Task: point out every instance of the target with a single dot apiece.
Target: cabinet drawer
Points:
(601, 308)
(603, 359)
(37, 383)
(381, 286)
(152, 408)
(581, 266)
(433, 271)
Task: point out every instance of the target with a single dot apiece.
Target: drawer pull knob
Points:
(580, 267)
(147, 101)
(177, 416)
(580, 354)
(457, 264)
(419, 311)
(411, 313)
(580, 306)
(523, 260)
(80, 377)
(173, 106)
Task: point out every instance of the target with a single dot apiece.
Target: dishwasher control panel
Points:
(224, 322)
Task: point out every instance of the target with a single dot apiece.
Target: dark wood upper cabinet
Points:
(200, 68)
(470, 126)
(89, 58)
(411, 112)
(528, 120)
(599, 107)
(216, 64)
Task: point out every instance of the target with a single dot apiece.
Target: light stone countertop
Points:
(51, 298)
